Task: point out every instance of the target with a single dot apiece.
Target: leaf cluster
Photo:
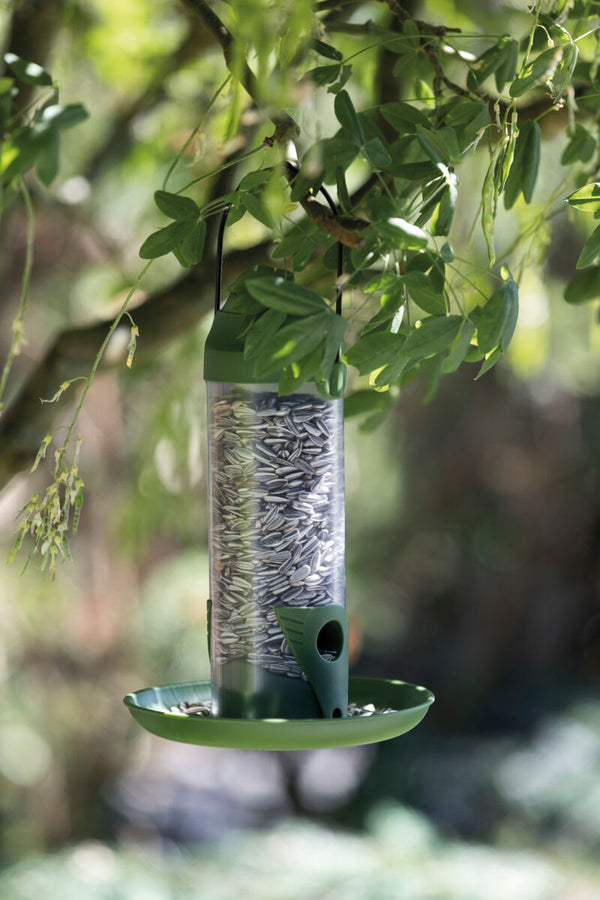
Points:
(31, 138)
(289, 332)
(50, 516)
(409, 153)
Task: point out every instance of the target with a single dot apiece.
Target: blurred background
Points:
(473, 563)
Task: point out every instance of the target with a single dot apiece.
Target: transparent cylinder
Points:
(276, 501)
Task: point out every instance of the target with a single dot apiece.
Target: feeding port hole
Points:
(330, 641)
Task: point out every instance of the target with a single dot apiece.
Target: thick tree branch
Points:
(162, 318)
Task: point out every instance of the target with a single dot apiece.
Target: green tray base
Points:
(150, 707)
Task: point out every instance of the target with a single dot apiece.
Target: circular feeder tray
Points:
(151, 708)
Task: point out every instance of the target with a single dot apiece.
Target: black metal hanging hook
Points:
(221, 235)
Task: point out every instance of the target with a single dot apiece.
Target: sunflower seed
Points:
(277, 518)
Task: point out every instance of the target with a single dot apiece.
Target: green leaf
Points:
(192, 245)
(334, 337)
(379, 205)
(297, 239)
(305, 369)
(373, 351)
(584, 286)
(255, 179)
(403, 117)
(447, 253)
(499, 60)
(333, 386)
(291, 343)
(535, 72)
(261, 331)
(65, 116)
(435, 334)
(438, 275)
(240, 302)
(27, 72)
(382, 282)
(591, 250)
(416, 171)
(391, 302)
(507, 69)
(489, 199)
(422, 291)
(563, 76)
(163, 241)
(489, 362)
(255, 207)
(401, 234)
(433, 145)
(342, 191)
(381, 318)
(460, 348)
(7, 198)
(461, 112)
(586, 198)
(530, 137)
(485, 64)
(347, 117)
(523, 172)
(322, 75)
(337, 152)
(345, 73)
(286, 296)
(183, 209)
(325, 49)
(377, 154)
(498, 318)
(47, 164)
(580, 148)
(21, 152)
(258, 271)
(361, 402)
(443, 213)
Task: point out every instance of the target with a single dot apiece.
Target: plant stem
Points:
(195, 131)
(89, 378)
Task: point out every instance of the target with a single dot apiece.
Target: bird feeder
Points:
(277, 623)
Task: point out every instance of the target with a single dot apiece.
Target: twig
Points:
(285, 127)
(424, 27)
(161, 319)
(345, 229)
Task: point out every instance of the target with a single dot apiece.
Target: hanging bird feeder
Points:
(278, 628)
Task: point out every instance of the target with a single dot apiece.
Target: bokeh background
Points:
(473, 563)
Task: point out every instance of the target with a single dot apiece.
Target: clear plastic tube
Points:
(276, 499)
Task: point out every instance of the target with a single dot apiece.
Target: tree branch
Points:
(162, 318)
(424, 27)
(285, 127)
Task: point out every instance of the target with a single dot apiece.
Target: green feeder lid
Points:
(224, 353)
(407, 704)
(224, 357)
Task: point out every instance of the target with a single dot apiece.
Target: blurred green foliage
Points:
(400, 856)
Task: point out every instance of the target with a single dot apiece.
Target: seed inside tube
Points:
(276, 518)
